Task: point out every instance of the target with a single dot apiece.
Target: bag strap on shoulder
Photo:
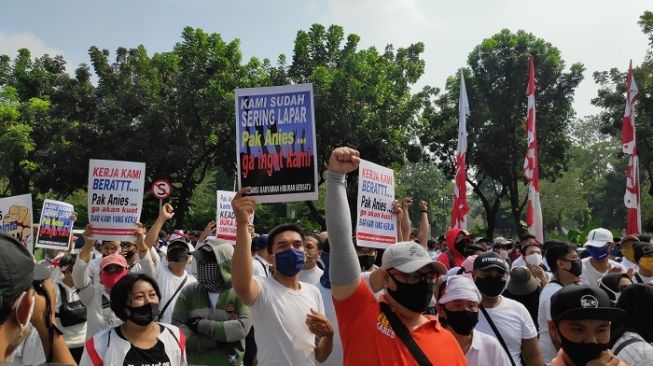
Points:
(498, 335)
(405, 336)
(165, 307)
(626, 343)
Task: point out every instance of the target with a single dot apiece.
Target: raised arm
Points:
(344, 269)
(406, 225)
(399, 214)
(424, 225)
(242, 279)
(165, 213)
(144, 253)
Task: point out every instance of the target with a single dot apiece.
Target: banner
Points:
(275, 143)
(115, 198)
(376, 226)
(55, 226)
(225, 222)
(16, 218)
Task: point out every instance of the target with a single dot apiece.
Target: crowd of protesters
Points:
(290, 297)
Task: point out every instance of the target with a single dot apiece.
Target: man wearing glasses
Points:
(408, 275)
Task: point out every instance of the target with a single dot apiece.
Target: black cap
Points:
(205, 254)
(489, 260)
(642, 249)
(16, 267)
(260, 242)
(578, 302)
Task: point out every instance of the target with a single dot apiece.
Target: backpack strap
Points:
(405, 336)
(626, 343)
(497, 334)
(181, 340)
(92, 353)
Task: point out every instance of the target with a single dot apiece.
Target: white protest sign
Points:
(226, 220)
(115, 198)
(16, 218)
(55, 226)
(376, 226)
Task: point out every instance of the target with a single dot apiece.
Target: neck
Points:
(601, 265)
(465, 341)
(292, 282)
(490, 302)
(564, 280)
(177, 268)
(131, 329)
(310, 266)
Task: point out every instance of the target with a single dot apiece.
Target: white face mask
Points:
(534, 259)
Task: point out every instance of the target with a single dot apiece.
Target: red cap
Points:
(113, 259)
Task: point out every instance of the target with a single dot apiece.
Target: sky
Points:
(601, 34)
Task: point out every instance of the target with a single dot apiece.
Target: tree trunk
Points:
(316, 215)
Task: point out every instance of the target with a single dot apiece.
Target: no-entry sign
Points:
(161, 189)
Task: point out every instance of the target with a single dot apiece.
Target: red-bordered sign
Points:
(161, 189)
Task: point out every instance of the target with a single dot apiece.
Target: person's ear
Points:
(439, 309)
(24, 307)
(386, 281)
(553, 331)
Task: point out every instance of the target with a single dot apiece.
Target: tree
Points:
(611, 98)
(362, 97)
(496, 80)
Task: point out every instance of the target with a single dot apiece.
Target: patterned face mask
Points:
(208, 275)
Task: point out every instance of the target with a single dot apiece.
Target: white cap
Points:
(408, 257)
(599, 238)
(460, 288)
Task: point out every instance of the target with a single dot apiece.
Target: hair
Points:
(645, 237)
(525, 247)
(636, 301)
(525, 237)
(280, 229)
(123, 288)
(313, 235)
(431, 244)
(555, 250)
(67, 259)
(6, 302)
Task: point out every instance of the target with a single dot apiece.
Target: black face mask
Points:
(177, 255)
(462, 322)
(581, 353)
(129, 255)
(461, 246)
(366, 261)
(143, 315)
(576, 267)
(414, 297)
(490, 286)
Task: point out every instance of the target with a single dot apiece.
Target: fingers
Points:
(242, 192)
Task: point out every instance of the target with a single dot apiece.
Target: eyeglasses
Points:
(415, 277)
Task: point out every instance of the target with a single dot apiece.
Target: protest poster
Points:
(275, 143)
(16, 218)
(376, 226)
(55, 226)
(226, 219)
(115, 198)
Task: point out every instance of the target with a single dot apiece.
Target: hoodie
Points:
(457, 257)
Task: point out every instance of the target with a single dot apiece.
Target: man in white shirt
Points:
(287, 313)
(172, 277)
(598, 264)
(260, 262)
(628, 259)
(458, 308)
(511, 319)
(311, 272)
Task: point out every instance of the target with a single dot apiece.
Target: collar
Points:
(261, 259)
(476, 341)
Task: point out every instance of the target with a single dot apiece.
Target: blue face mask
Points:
(598, 253)
(289, 262)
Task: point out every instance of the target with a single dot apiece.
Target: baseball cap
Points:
(41, 272)
(521, 281)
(642, 249)
(113, 259)
(408, 257)
(460, 288)
(489, 260)
(468, 263)
(176, 235)
(16, 267)
(500, 241)
(583, 302)
(260, 242)
(181, 243)
(598, 238)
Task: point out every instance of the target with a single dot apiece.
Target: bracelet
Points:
(425, 211)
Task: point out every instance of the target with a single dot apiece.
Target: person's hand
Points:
(408, 201)
(192, 323)
(319, 325)
(209, 229)
(630, 272)
(615, 269)
(88, 239)
(538, 273)
(344, 160)
(139, 234)
(243, 206)
(423, 206)
(396, 208)
(605, 359)
(167, 212)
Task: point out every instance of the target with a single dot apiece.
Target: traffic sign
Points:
(161, 189)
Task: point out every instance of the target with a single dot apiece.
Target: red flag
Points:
(629, 146)
(531, 167)
(460, 207)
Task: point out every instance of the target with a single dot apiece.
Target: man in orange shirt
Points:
(407, 274)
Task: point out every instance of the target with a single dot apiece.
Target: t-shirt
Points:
(640, 278)
(513, 322)
(168, 284)
(627, 264)
(260, 266)
(311, 276)
(335, 358)
(368, 338)
(279, 315)
(486, 350)
(638, 353)
(543, 316)
(530, 301)
(590, 276)
(155, 356)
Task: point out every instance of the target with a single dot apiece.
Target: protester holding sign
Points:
(55, 226)
(16, 221)
(408, 277)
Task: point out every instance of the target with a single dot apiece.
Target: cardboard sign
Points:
(226, 219)
(16, 218)
(376, 226)
(275, 143)
(55, 226)
(115, 198)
